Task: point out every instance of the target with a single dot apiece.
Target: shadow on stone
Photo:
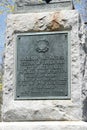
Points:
(85, 110)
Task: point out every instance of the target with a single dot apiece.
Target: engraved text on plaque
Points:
(42, 66)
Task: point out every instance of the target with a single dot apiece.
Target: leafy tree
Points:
(6, 6)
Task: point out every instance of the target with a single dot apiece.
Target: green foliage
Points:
(77, 1)
(6, 6)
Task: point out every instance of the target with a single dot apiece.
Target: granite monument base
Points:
(44, 126)
(70, 109)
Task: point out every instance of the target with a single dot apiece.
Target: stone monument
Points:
(44, 67)
(22, 6)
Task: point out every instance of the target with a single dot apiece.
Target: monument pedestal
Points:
(67, 125)
(60, 56)
(44, 69)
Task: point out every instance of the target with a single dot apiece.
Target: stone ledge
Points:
(24, 6)
(48, 125)
(44, 125)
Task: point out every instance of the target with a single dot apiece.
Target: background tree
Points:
(6, 6)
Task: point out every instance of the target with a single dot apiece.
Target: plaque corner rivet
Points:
(19, 38)
(65, 35)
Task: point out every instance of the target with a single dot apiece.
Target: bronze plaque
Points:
(42, 65)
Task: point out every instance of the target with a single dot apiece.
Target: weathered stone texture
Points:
(44, 126)
(41, 5)
(83, 57)
(35, 2)
(15, 110)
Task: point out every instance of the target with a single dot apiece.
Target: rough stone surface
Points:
(63, 110)
(44, 126)
(41, 5)
(83, 56)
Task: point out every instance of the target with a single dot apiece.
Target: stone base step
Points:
(46, 125)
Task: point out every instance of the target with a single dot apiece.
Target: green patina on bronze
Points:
(42, 66)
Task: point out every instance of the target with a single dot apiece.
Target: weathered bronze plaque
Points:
(42, 62)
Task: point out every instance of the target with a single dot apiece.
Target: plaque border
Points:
(69, 67)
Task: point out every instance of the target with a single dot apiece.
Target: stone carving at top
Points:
(34, 2)
(41, 5)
